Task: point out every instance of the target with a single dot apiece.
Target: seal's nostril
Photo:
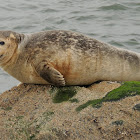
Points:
(1, 55)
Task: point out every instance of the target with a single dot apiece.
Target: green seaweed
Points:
(126, 89)
(19, 117)
(74, 100)
(32, 137)
(7, 108)
(28, 129)
(47, 115)
(95, 103)
(53, 89)
(63, 93)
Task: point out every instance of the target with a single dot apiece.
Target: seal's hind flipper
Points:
(50, 74)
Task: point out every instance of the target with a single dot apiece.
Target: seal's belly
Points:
(34, 80)
(27, 74)
(78, 73)
(81, 77)
(31, 76)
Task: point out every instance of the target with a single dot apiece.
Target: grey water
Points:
(115, 22)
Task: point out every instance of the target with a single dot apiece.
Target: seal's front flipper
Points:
(50, 74)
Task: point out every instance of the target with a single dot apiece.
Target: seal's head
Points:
(8, 45)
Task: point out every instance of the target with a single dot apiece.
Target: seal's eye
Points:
(2, 43)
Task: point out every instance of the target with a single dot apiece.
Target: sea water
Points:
(114, 22)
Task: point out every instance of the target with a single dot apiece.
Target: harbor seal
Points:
(65, 58)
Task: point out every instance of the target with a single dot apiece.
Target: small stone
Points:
(137, 107)
(118, 122)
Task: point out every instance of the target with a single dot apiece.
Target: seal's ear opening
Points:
(16, 37)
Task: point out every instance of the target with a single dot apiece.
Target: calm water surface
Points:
(114, 22)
